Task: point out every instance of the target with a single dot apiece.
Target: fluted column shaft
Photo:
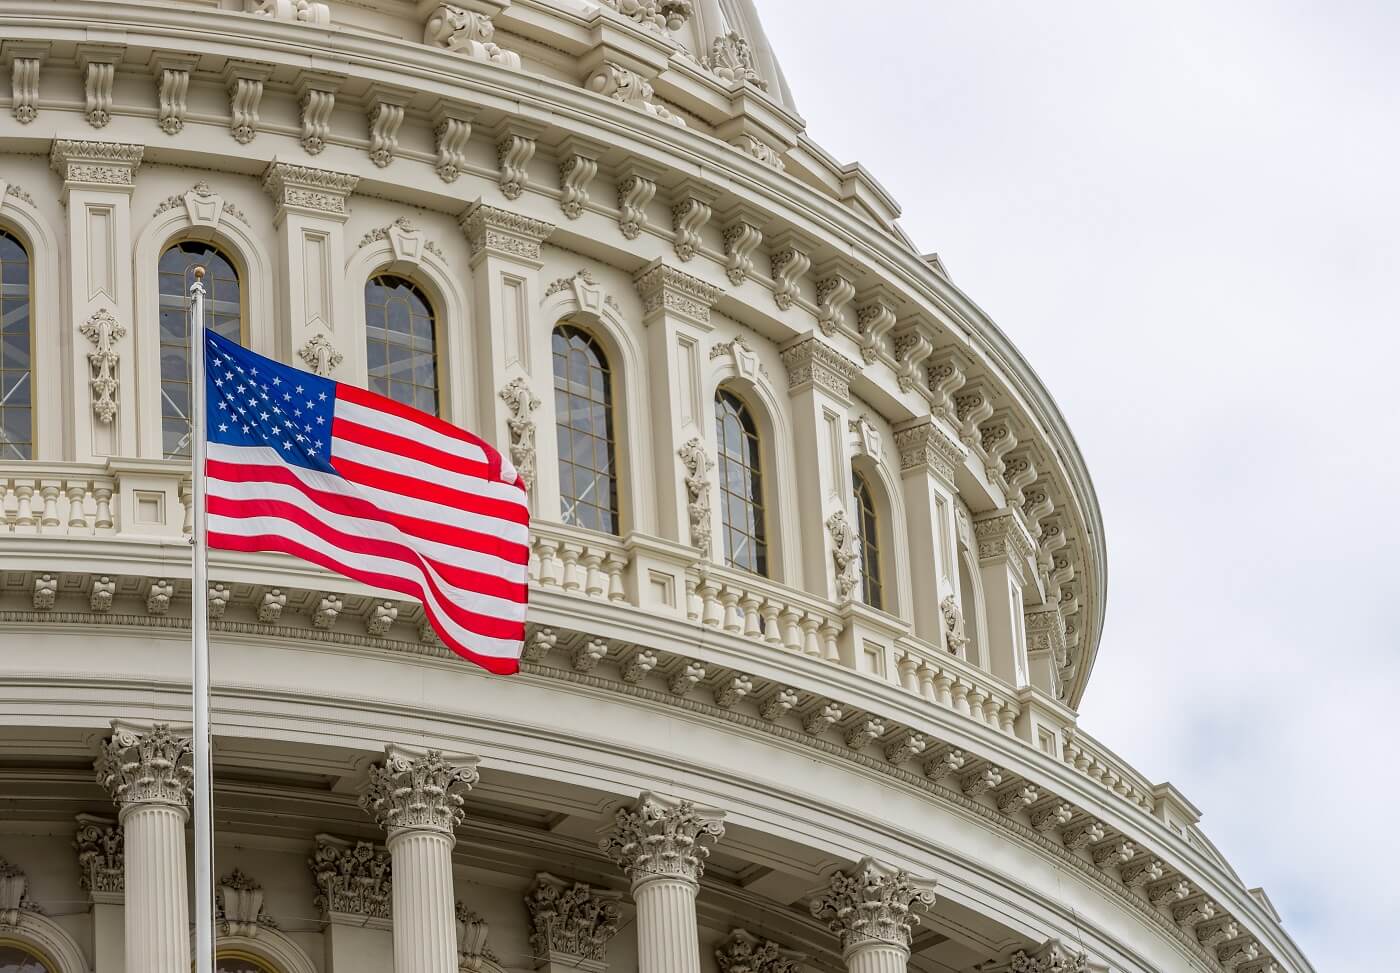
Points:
(157, 906)
(668, 940)
(425, 925)
(877, 958)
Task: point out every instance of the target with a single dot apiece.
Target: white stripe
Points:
(277, 526)
(478, 486)
(434, 551)
(393, 502)
(407, 428)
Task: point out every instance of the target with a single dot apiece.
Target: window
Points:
(967, 591)
(15, 958)
(584, 417)
(402, 342)
(223, 313)
(740, 485)
(16, 351)
(868, 539)
(236, 962)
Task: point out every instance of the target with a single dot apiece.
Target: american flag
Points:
(371, 489)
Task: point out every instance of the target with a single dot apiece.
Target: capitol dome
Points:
(817, 572)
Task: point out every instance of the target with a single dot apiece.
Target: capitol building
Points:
(817, 572)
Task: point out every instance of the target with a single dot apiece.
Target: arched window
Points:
(868, 534)
(223, 313)
(740, 485)
(18, 958)
(584, 416)
(16, 353)
(401, 332)
(967, 592)
(234, 962)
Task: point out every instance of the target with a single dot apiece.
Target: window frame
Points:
(757, 500)
(12, 941)
(868, 539)
(30, 285)
(610, 405)
(425, 293)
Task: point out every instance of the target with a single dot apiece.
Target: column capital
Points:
(108, 166)
(146, 765)
(1052, 957)
(873, 905)
(496, 232)
(1002, 534)
(811, 362)
(663, 836)
(309, 191)
(570, 922)
(100, 844)
(416, 790)
(664, 289)
(352, 880)
(923, 445)
(743, 952)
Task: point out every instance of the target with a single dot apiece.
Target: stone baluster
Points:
(147, 772)
(660, 843)
(871, 910)
(413, 795)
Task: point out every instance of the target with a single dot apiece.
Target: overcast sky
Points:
(1186, 215)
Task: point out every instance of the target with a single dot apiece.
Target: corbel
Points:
(25, 59)
(578, 167)
(244, 81)
(912, 346)
(636, 185)
(172, 71)
(743, 232)
(316, 93)
(791, 258)
(98, 63)
(385, 106)
(452, 129)
(516, 140)
(876, 313)
(691, 209)
(836, 287)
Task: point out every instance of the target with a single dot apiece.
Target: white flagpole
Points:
(199, 605)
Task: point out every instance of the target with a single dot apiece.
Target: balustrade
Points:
(56, 499)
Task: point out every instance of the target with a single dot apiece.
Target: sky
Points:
(1187, 217)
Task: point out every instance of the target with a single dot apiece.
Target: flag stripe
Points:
(464, 505)
(374, 449)
(412, 422)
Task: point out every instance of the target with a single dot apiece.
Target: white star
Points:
(323, 396)
(286, 445)
(300, 390)
(320, 420)
(264, 417)
(276, 380)
(228, 376)
(223, 427)
(223, 405)
(241, 389)
(245, 430)
(310, 404)
(218, 383)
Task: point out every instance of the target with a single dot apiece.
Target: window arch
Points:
(237, 961)
(16, 957)
(740, 484)
(16, 351)
(223, 312)
(401, 342)
(583, 409)
(868, 538)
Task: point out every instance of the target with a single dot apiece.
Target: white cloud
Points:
(1185, 215)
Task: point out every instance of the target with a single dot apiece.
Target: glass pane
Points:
(17, 959)
(402, 354)
(583, 413)
(741, 507)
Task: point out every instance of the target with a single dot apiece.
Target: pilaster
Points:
(928, 462)
(354, 895)
(570, 924)
(101, 847)
(871, 910)
(1004, 551)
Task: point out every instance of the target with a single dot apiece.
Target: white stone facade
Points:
(700, 768)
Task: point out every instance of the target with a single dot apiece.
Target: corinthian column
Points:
(659, 845)
(147, 772)
(412, 795)
(870, 910)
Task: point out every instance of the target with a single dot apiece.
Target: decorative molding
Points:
(731, 60)
(18, 193)
(320, 355)
(873, 905)
(501, 233)
(868, 440)
(845, 551)
(452, 130)
(521, 402)
(405, 239)
(172, 89)
(1001, 534)
(812, 362)
(240, 906)
(203, 206)
(973, 408)
(472, 931)
(514, 150)
(385, 112)
(98, 63)
(158, 598)
(352, 879)
(874, 319)
(662, 836)
(634, 193)
(296, 11)
(1049, 958)
(925, 446)
(14, 895)
(26, 60)
(665, 289)
(577, 169)
(98, 165)
(316, 98)
(245, 81)
(146, 766)
(743, 952)
(100, 844)
(570, 921)
(744, 358)
(911, 348)
(629, 88)
(835, 291)
(103, 331)
(658, 16)
(742, 235)
(945, 372)
(689, 215)
(468, 33)
(760, 150)
(414, 790)
(791, 259)
(318, 192)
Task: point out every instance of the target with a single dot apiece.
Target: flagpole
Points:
(199, 649)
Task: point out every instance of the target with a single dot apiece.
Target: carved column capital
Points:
(303, 189)
(570, 922)
(663, 837)
(1049, 958)
(743, 952)
(923, 445)
(146, 765)
(497, 232)
(1002, 535)
(812, 362)
(416, 790)
(873, 905)
(100, 845)
(105, 166)
(352, 880)
(664, 289)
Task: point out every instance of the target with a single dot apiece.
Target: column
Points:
(100, 360)
(147, 772)
(929, 459)
(413, 795)
(660, 843)
(1006, 557)
(871, 910)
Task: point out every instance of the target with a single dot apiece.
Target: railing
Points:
(59, 499)
(1099, 764)
(949, 681)
(761, 611)
(578, 561)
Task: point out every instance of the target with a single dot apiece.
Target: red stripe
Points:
(281, 545)
(487, 625)
(373, 400)
(449, 534)
(411, 486)
(390, 442)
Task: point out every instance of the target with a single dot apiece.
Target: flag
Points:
(371, 489)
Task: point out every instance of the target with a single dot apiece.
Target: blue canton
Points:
(255, 401)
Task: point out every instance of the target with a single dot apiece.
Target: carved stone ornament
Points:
(521, 402)
(743, 952)
(452, 129)
(845, 551)
(742, 355)
(24, 81)
(873, 904)
(502, 233)
(629, 88)
(472, 930)
(146, 766)
(99, 67)
(698, 465)
(101, 857)
(661, 836)
(1002, 535)
(666, 289)
(316, 98)
(14, 895)
(352, 880)
(101, 164)
(1050, 958)
(573, 921)
(731, 59)
(813, 362)
(240, 906)
(953, 629)
(576, 173)
(172, 89)
(418, 790)
(834, 292)
(689, 216)
(319, 192)
(295, 11)
(514, 150)
(320, 355)
(104, 331)
(658, 16)
(245, 82)
(468, 33)
(634, 195)
(741, 237)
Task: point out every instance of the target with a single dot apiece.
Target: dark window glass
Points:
(238, 963)
(16, 353)
(402, 342)
(223, 314)
(740, 485)
(868, 527)
(584, 417)
(15, 958)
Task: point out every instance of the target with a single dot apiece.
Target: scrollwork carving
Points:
(521, 402)
(104, 331)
